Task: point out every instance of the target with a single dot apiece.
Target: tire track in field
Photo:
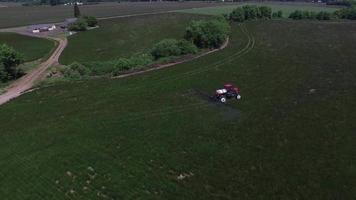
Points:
(249, 46)
(179, 109)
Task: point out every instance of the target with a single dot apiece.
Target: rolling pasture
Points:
(123, 37)
(20, 15)
(30, 47)
(287, 8)
(158, 136)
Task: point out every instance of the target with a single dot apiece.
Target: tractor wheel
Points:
(223, 99)
(238, 97)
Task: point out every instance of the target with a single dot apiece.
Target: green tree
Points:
(238, 15)
(296, 15)
(91, 21)
(76, 10)
(251, 12)
(10, 59)
(265, 12)
(79, 25)
(208, 33)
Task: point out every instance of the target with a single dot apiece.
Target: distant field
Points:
(32, 48)
(287, 8)
(123, 37)
(157, 136)
(19, 16)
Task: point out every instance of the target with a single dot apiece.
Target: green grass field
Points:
(124, 37)
(287, 8)
(292, 136)
(30, 47)
(25, 15)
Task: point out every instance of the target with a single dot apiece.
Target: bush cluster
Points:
(345, 13)
(75, 71)
(298, 15)
(10, 60)
(208, 33)
(83, 23)
(124, 64)
(79, 25)
(173, 47)
(199, 34)
(252, 12)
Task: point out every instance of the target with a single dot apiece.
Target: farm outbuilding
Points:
(41, 28)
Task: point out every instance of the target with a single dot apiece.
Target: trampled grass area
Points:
(290, 137)
(287, 8)
(30, 47)
(124, 37)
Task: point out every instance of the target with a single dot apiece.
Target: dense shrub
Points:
(10, 60)
(265, 12)
(208, 33)
(323, 16)
(75, 71)
(124, 64)
(251, 12)
(91, 21)
(237, 15)
(79, 25)
(172, 47)
(346, 13)
(297, 14)
(187, 47)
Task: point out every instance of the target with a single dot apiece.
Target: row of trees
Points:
(346, 13)
(252, 12)
(9, 63)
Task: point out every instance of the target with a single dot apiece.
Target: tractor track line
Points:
(249, 46)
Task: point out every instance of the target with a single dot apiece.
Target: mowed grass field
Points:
(157, 135)
(21, 15)
(124, 37)
(287, 8)
(30, 47)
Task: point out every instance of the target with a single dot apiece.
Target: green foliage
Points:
(278, 14)
(238, 15)
(323, 16)
(79, 25)
(172, 47)
(346, 13)
(10, 59)
(75, 71)
(208, 33)
(251, 12)
(91, 21)
(297, 14)
(124, 64)
(266, 12)
(76, 10)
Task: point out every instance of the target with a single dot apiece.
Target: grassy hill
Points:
(287, 8)
(157, 136)
(124, 37)
(32, 48)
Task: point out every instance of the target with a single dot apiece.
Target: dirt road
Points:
(27, 82)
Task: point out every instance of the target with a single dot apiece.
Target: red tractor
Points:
(228, 92)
